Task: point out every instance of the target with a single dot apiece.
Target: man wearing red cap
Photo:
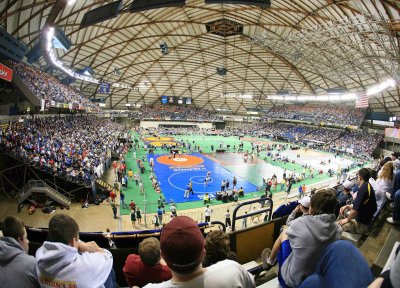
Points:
(182, 248)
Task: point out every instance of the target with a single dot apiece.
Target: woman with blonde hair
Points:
(384, 183)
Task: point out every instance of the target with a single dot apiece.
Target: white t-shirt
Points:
(224, 274)
(207, 212)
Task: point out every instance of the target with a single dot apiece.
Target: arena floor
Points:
(174, 176)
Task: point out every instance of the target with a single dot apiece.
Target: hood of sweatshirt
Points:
(61, 262)
(53, 257)
(323, 227)
(9, 249)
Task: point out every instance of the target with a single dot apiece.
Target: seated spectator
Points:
(182, 247)
(17, 268)
(396, 179)
(383, 184)
(345, 196)
(64, 259)
(363, 208)
(303, 208)
(299, 247)
(217, 248)
(148, 266)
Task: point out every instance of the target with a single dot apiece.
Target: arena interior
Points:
(258, 140)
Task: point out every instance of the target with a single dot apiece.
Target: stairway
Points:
(39, 187)
(103, 184)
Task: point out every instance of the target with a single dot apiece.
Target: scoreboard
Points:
(173, 100)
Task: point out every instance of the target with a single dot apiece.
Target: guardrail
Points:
(268, 203)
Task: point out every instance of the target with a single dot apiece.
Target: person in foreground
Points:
(300, 246)
(146, 267)
(17, 268)
(64, 261)
(182, 248)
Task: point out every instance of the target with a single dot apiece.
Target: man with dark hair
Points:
(363, 208)
(148, 266)
(64, 260)
(182, 248)
(17, 268)
(300, 245)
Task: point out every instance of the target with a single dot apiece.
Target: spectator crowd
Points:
(46, 87)
(174, 112)
(77, 147)
(329, 113)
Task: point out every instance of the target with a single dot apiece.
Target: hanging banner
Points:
(5, 73)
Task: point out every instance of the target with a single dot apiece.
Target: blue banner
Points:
(104, 88)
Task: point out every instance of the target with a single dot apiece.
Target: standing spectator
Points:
(122, 199)
(136, 177)
(228, 219)
(146, 267)
(161, 202)
(132, 205)
(114, 209)
(17, 268)
(182, 248)
(139, 215)
(141, 188)
(207, 214)
(223, 183)
(234, 182)
(283, 184)
(206, 199)
(123, 182)
(172, 208)
(112, 195)
(126, 180)
(160, 213)
(63, 258)
(156, 221)
(244, 220)
(133, 218)
(300, 191)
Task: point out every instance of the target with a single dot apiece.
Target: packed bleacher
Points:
(328, 114)
(359, 144)
(77, 147)
(174, 112)
(46, 87)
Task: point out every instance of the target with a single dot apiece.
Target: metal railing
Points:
(268, 204)
(69, 194)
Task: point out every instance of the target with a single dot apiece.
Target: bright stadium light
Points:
(49, 34)
(389, 83)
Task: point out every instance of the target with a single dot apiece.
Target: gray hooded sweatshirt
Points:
(17, 269)
(59, 264)
(308, 236)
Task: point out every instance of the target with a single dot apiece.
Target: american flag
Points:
(362, 101)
